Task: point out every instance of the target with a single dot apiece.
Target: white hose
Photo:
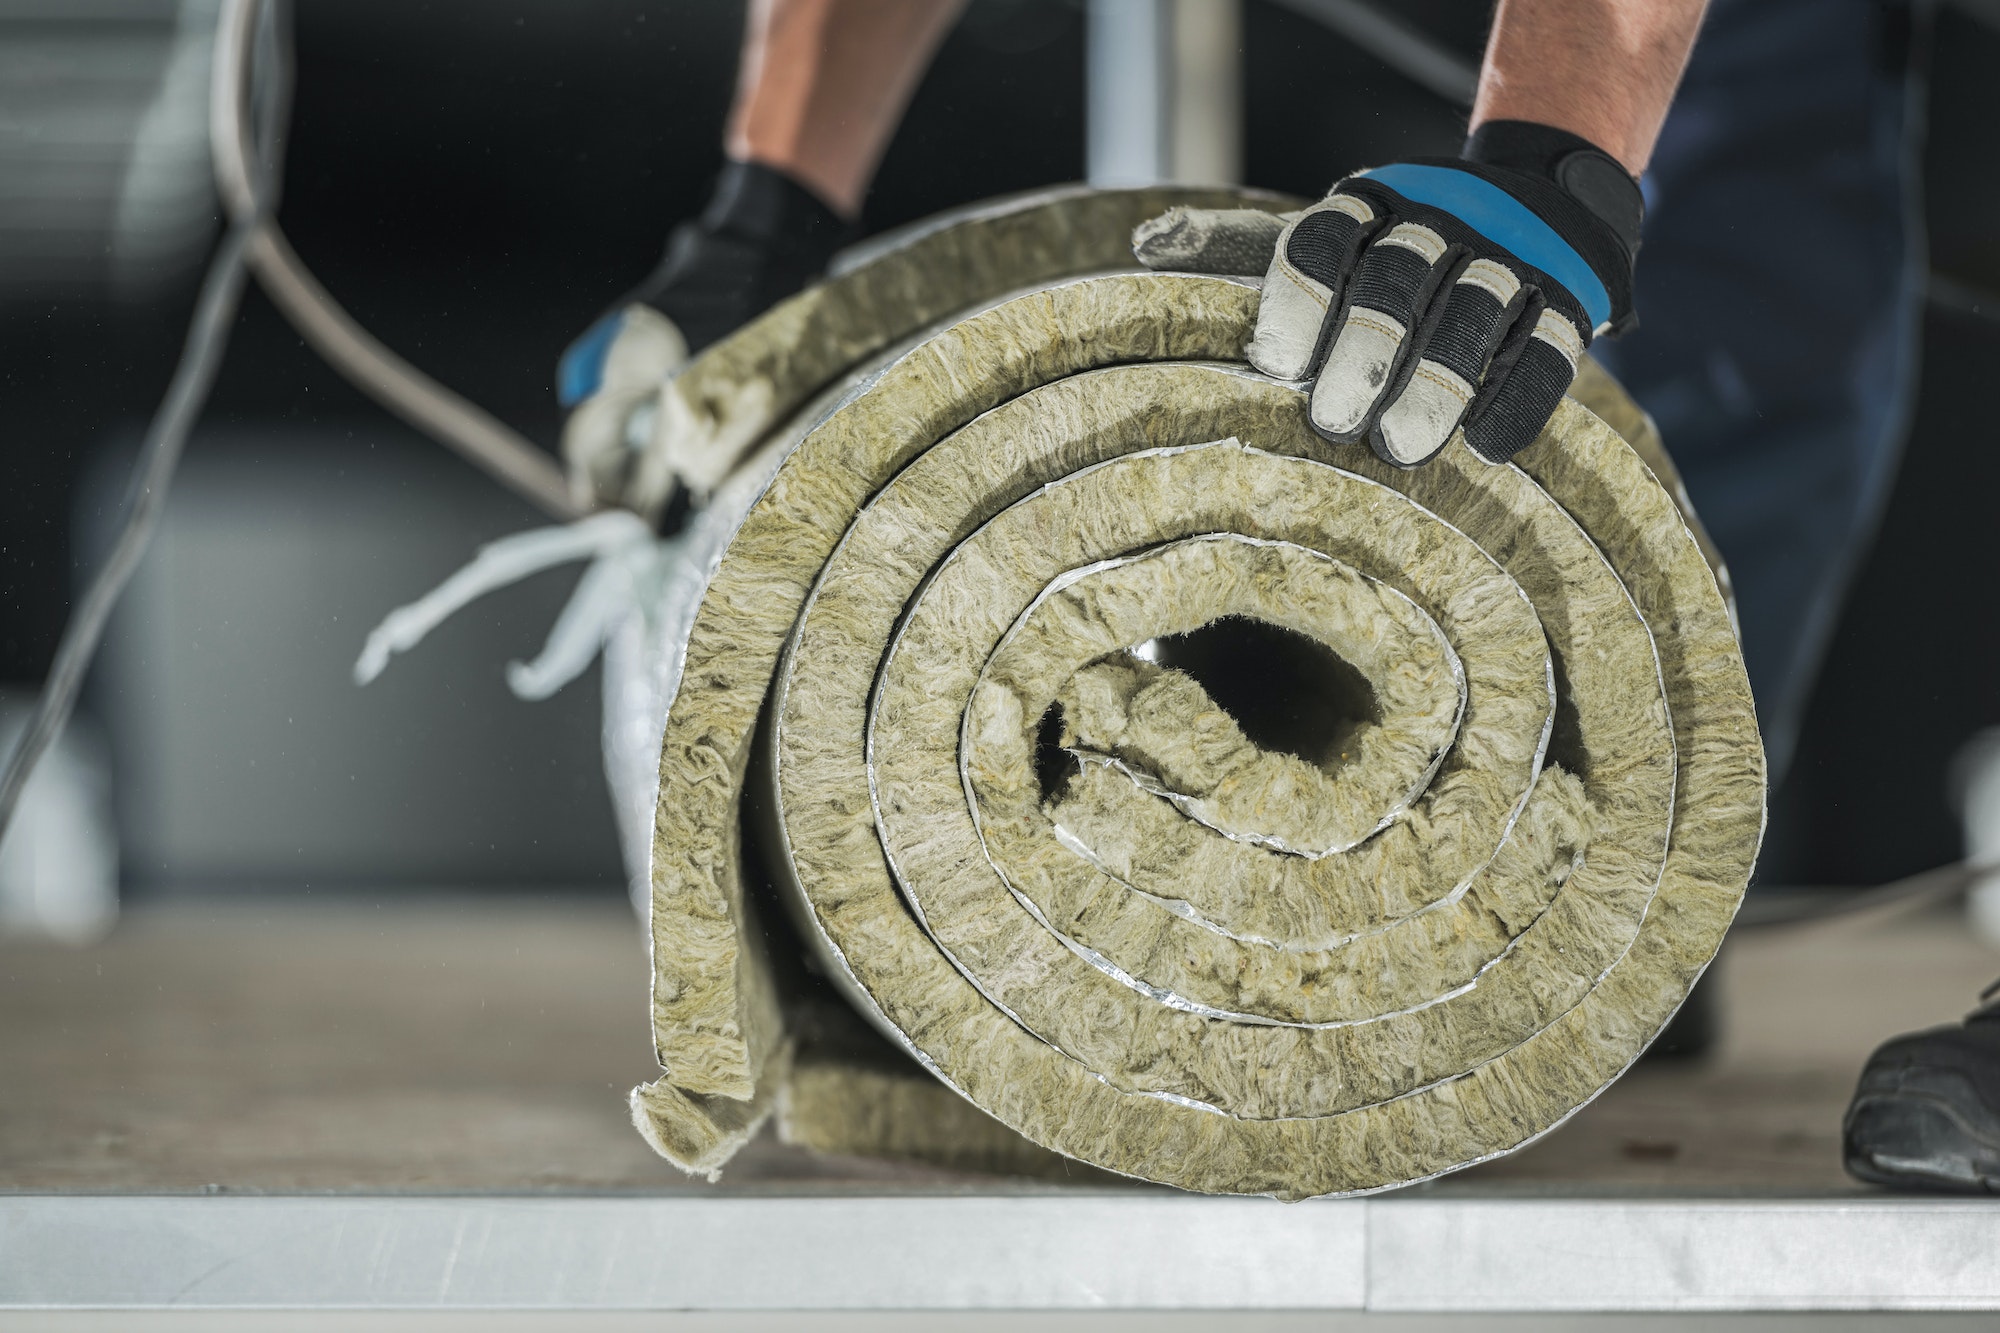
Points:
(473, 433)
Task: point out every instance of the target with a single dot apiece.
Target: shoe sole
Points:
(1918, 1128)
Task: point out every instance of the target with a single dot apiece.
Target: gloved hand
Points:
(1432, 295)
(762, 238)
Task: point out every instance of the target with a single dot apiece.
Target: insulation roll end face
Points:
(1197, 956)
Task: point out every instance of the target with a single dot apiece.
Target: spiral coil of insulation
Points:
(1188, 957)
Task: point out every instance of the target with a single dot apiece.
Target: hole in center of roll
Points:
(1287, 692)
(1054, 766)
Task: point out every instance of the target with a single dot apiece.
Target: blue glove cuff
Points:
(1504, 220)
(581, 369)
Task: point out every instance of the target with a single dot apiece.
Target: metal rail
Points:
(1097, 1250)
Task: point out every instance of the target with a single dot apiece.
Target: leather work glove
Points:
(762, 238)
(1434, 295)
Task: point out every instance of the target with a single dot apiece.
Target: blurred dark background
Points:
(477, 181)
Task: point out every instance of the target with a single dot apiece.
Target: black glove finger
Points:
(1309, 270)
(1451, 353)
(1530, 375)
(1391, 291)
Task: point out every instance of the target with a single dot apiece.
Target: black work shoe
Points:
(1927, 1112)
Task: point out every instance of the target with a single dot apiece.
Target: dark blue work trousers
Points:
(1780, 291)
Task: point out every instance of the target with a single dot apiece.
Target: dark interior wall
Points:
(1961, 184)
(1316, 107)
(477, 180)
(484, 179)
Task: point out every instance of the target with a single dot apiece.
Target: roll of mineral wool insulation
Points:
(1066, 880)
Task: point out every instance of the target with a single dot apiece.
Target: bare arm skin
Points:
(1602, 69)
(824, 83)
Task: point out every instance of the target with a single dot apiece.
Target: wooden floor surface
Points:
(487, 1044)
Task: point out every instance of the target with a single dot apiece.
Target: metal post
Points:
(1165, 92)
(1205, 144)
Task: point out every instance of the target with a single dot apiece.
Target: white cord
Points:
(241, 174)
(159, 455)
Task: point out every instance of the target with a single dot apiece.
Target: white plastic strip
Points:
(619, 542)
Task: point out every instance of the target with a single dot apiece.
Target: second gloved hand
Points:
(762, 238)
(1429, 296)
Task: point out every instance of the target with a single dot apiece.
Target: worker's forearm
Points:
(1602, 69)
(824, 83)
